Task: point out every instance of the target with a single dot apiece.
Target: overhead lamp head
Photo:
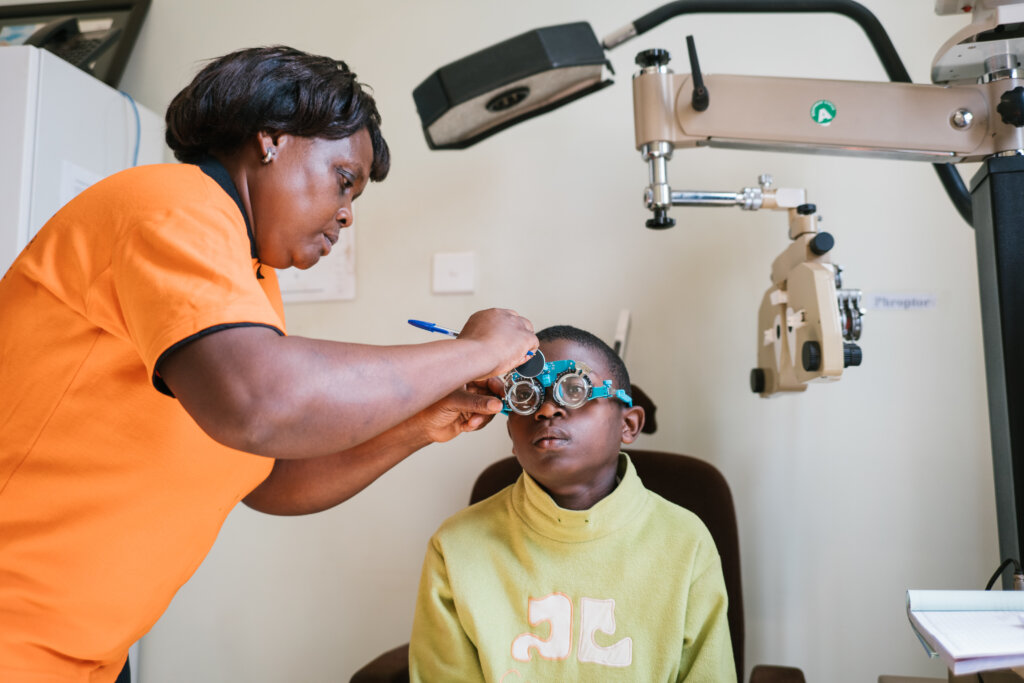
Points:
(473, 98)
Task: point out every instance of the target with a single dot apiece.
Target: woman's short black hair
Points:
(620, 375)
(276, 89)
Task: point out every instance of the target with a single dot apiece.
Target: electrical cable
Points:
(138, 127)
(991, 582)
(1007, 562)
(949, 176)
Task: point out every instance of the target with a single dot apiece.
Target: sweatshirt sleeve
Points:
(439, 649)
(707, 647)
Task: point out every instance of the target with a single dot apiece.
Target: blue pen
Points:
(431, 327)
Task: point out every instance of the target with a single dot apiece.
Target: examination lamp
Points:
(475, 97)
(972, 111)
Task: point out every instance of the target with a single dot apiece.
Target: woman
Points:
(145, 364)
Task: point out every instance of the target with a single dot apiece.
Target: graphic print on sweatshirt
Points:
(556, 609)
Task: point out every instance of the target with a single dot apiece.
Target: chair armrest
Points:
(390, 667)
(769, 673)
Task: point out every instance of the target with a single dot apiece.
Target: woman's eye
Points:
(345, 183)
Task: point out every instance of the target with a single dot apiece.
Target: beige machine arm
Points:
(975, 110)
(961, 121)
(875, 119)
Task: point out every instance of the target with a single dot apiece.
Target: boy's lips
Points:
(551, 438)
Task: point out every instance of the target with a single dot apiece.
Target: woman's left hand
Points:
(463, 410)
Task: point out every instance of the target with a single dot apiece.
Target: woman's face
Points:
(303, 198)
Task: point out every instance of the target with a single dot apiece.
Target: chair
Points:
(686, 481)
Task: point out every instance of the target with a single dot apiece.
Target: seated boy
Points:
(576, 572)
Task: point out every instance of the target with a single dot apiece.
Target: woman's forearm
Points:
(298, 487)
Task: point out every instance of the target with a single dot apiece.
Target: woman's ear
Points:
(632, 423)
(270, 143)
(265, 143)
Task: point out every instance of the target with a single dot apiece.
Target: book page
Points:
(971, 630)
(976, 634)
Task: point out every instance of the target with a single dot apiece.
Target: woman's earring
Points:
(269, 156)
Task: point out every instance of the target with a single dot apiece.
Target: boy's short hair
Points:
(569, 333)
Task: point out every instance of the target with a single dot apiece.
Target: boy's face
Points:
(573, 452)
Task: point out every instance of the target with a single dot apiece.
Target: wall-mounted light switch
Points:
(454, 273)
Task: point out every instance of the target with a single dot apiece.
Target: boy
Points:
(576, 572)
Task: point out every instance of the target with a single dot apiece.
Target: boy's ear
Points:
(632, 423)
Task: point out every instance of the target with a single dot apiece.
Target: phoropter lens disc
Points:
(532, 367)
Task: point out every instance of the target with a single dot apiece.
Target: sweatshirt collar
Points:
(540, 512)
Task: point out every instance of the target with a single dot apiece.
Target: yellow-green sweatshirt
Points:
(517, 589)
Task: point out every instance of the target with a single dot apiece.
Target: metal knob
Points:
(653, 57)
(1011, 107)
(661, 220)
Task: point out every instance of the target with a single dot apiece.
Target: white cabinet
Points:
(62, 131)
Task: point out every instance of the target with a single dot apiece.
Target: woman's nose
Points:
(345, 217)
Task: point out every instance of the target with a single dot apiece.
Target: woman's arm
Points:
(297, 487)
(292, 397)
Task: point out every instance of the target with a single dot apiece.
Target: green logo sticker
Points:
(822, 112)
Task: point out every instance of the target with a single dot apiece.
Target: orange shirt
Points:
(110, 494)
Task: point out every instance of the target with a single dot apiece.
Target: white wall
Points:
(848, 494)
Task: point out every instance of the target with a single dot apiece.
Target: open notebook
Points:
(970, 630)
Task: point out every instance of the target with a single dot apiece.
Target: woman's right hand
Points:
(505, 334)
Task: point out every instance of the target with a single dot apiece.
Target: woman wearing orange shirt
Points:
(148, 381)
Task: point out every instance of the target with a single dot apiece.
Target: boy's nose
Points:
(548, 409)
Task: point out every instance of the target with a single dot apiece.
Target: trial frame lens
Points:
(524, 396)
(572, 390)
